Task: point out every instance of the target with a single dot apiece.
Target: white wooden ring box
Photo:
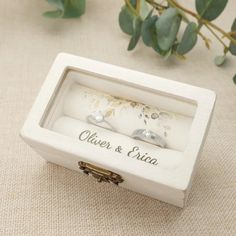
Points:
(57, 128)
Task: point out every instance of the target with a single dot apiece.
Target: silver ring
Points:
(97, 118)
(149, 137)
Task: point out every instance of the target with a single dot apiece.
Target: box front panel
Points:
(130, 182)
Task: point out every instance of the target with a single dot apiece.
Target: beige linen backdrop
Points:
(37, 198)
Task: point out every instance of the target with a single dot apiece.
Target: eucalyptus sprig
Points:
(158, 24)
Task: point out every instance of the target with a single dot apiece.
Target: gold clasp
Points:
(100, 174)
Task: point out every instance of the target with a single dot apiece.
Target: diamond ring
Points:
(97, 118)
(149, 137)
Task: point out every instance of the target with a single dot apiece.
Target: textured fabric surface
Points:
(38, 198)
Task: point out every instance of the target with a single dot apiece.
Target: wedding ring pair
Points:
(98, 119)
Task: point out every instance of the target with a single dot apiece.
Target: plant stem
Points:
(158, 6)
(219, 29)
(232, 33)
(220, 40)
(205, 39)
(177, 5)
(138, 5)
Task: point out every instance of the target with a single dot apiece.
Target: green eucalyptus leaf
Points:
(156, 47)
(126, 20)
(167, 27)
(66, 8)
(167, 54)
(133, 3)
(144, 9)
(53, 14)
(189, 39)
(57, 3)
(234, 78)
(220, 60)
(137, 24)
(149, 14)
(164, 54)
(232, 46)
(73, 8)
(148, 29)
(210, 9)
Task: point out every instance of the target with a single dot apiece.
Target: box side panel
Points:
(195, 167)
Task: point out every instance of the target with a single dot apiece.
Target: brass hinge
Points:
(102, 175)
